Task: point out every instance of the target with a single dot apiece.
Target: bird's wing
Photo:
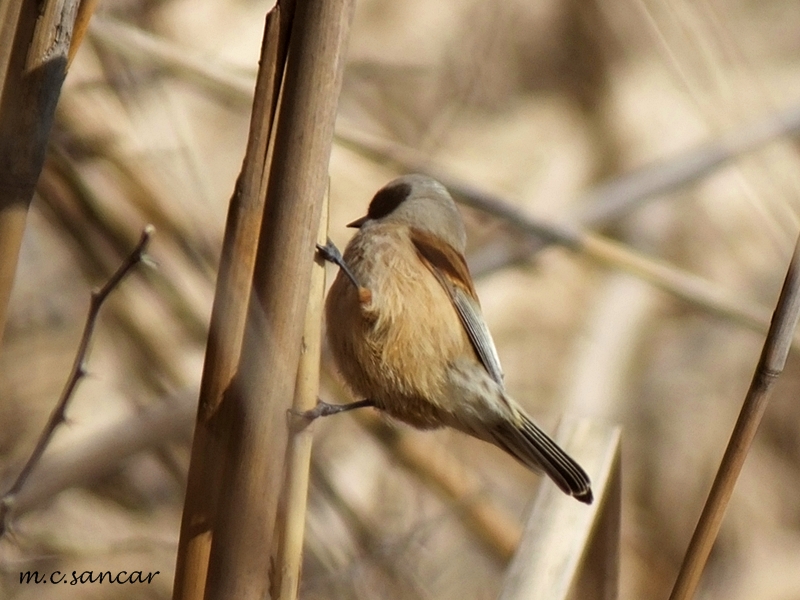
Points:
(450, 269)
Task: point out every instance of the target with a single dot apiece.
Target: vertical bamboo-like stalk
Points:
(255, 405)
(34, 41)
(227, 320)
(291, 518)
(770, 366)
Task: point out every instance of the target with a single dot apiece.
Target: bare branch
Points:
(76, 374)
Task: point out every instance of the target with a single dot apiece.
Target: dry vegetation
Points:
(536, 102)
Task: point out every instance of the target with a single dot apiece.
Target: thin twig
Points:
(770, 366)
(76, 374)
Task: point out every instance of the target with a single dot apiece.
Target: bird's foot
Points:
(323, 409)
(331, 253)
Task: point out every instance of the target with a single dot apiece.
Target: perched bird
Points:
(406, 331)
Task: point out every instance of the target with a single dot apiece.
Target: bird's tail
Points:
(534, 448)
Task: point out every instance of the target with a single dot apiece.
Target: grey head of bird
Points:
(419, 202)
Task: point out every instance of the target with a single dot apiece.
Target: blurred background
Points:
(539, 103)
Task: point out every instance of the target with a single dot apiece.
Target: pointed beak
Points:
(358, 222)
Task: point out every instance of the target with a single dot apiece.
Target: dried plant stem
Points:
(292, 509)
(34, 41)
(85, 12)
(226, 329)
(57, 417)
(770, 366)
(255, 404)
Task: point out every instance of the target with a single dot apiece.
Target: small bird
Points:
(406, 331)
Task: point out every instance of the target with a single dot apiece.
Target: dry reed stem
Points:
(34, 41)
(292, 508)
(609, 201)
(262, 389)
(564, 541)
(85, 11)
(78, 371)
(226, 329)
(770, 366)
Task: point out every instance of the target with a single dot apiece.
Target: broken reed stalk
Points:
(78, 371)
(770, 366)
(226, 329)
(34, 42)
(291, 518)
(569, 550)
(85, 12)
(254, 407)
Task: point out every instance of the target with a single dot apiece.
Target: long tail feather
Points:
(534, 448)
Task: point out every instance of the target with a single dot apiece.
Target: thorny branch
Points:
(76, 374)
